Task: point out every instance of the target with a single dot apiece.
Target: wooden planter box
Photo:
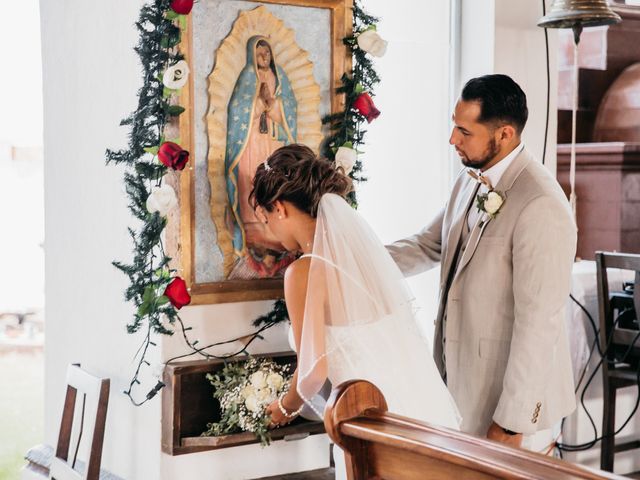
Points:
(188, 405)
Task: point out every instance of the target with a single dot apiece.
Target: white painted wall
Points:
(407, 152)
(90, 77)
(520, 52)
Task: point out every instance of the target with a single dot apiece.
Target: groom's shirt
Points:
(494, 174)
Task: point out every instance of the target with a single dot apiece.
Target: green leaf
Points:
(348, 145)
(170, 41)
(167, 92)
(182, 20)
(175, 110)
(143, 309)
(152, 150)
(163, 273)
(149, 294)
(171, 15)
(162, 300)
(359, 88)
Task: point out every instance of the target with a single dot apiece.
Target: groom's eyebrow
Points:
(462, 129)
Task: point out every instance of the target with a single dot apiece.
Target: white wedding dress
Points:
(359, 323)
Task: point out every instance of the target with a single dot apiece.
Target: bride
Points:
(350, 308)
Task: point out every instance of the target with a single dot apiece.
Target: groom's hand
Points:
(497, 433)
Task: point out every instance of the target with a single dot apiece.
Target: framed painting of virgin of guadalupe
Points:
(262, 75)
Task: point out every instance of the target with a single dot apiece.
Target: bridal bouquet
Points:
(245, 390)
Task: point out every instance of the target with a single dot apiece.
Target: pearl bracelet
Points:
(284, 410)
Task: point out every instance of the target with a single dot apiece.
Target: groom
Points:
(505, 242)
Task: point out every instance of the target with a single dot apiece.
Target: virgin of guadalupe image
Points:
(261, 117)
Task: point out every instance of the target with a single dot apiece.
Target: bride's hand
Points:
(277, 418)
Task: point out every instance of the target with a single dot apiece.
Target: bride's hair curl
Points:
(295, 174)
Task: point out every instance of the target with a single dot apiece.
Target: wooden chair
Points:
(381, 445)
(616, 339)
(58, 464)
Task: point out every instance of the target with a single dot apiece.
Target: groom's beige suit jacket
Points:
(500, 338)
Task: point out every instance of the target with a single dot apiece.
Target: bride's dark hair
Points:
(295, 174)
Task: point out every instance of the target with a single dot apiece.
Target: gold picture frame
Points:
(181, 239)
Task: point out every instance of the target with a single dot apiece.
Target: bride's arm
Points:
(295, 293)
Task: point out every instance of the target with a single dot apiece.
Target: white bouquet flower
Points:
(245, 390)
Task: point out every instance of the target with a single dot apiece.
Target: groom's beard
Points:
(488, 155)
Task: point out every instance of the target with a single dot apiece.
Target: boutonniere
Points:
(490, 202)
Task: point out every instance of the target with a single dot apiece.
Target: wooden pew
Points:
(381, 445)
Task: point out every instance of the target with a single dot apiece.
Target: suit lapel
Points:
(474, 240)
(467, 197)
(504, 185)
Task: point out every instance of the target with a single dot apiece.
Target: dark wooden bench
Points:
(382, 445)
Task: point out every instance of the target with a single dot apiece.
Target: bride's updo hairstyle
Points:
(295, 174)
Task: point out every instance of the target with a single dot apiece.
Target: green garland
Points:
(149, 273)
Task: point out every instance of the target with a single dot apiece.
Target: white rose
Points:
(252, 404)
(247, 391)
(258, 380)
(275, 381)
(162, 199)
(493, 203)
(372, 43)
(346, 158)
(176, 75)
(263, 395)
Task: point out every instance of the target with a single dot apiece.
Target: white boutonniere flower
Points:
(162, 199)
(491, 202)
(372, 43)
(175, 77)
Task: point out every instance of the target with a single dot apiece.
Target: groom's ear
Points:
(507, 133)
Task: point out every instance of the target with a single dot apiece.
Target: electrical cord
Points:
(603, 357)
(546, 125)
(202, 351)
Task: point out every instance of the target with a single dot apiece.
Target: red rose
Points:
(364, 105)
(177, 293)
(173, 156)
(183, 7)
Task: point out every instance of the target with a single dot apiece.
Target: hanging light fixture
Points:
(577, 14)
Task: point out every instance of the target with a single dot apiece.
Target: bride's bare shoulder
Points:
(295, 278)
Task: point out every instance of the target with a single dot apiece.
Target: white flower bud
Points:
(346, 158)
(372, 43)
(162, 199)
(175, 77)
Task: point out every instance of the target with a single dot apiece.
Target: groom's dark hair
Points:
(502, 101)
